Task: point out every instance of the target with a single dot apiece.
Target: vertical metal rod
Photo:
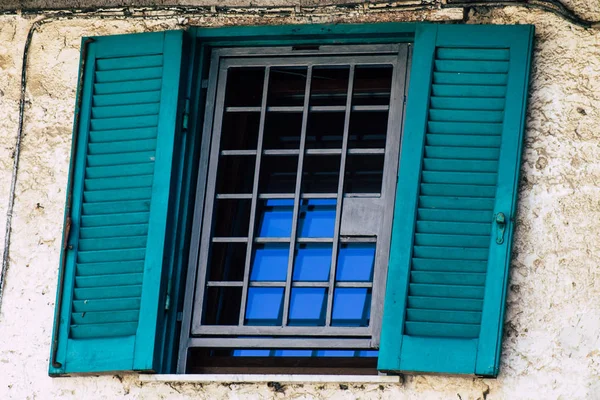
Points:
(340, 197)
(259, 145)
(297, 192)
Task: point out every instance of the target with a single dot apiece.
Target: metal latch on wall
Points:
(500, 227)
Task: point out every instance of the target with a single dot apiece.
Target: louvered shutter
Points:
(459, 169)
(120, 181)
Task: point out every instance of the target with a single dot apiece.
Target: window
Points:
(295, 233)
(261, 199)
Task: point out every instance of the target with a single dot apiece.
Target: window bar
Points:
(340, 196)
(291, 255)
(248, 261)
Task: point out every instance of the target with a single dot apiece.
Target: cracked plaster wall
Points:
(552, 332)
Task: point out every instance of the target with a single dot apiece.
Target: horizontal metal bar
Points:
(266, 284)
(353, 284)
(327, 108)
(224, 330)
(309, 60)
(314, 240)
(358, 239)
(224, 284)
(319, 196)
(283, 152)
(238, 152)
(367, 151)
(234, 196)
(319, 51)
(323, 151)
(230, 239)
(271, 240)
(371, 108)
(322, 284)
(362, 195)
(242, 109)
(295, 109)
(269, 343)
(276, 196)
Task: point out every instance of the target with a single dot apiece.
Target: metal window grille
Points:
(292, 230)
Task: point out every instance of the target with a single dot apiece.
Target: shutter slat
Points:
(128, 182)
(436, 189)
(108, 292)
(463, 140)
(433, 164)
(123, 159)
(118, 135)
(114, 243)
(130, 110)
(467, 103)
(471, 66)
(124, 123)
(121, 75)
(114, 230)
(466, 178)
(455, 203)
(119, 267)
(469, 91)
(465, 116)
(118, 171)
(452, 291)
(448, 278)
(126, 146)
(103, 330)
(427, 239)
(451, 253)
(464, 128)
(111, 255)
(454, 215)
(105, 317)
(461, 78)
(432, 329)
(465, 153)
(118, 279)
(117, 195)
(137, 62)
(106, 304)
(117, 207)
(88, 221)
(444, 316)
(448, 53)
(128, 87)
(457, 228)
(446, 265)
(101, 100)
(440, 303)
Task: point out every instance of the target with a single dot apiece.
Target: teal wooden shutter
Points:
(121, 176)
(459, 170)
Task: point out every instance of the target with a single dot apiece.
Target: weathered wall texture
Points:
(552, 333)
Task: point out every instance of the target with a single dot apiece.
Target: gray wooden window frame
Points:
(196, 335)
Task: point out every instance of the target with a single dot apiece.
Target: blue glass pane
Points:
(368, 353)
(251, 353)
(312, 262)
(293, 353)
(336, 353)
(307, 307)
(264, 306)
(355, 262)
(276, 218)
(317, 218)
(351, 307)
(270, 262)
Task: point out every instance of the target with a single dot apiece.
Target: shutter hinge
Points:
(186, 115)
(168, 296)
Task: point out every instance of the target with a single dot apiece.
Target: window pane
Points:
(307, 307)
(244, 87)
(351, 307)
(317, 218)
(287, 86)
(313, 262)
(264, 306)
(325, 130)
(282, 130)
(278, 174)
(227, 262)
(321, 174)
(231, 218)
(329, 86)
(270, 262)
(240, 131)
(364, 174)
(235, 174)
(222, 306)
(372, 85)
(275, 218)
(355, 262)
(368, 129)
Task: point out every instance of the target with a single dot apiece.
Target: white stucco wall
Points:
(552, 332)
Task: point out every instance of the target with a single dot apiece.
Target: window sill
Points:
(258, 378)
